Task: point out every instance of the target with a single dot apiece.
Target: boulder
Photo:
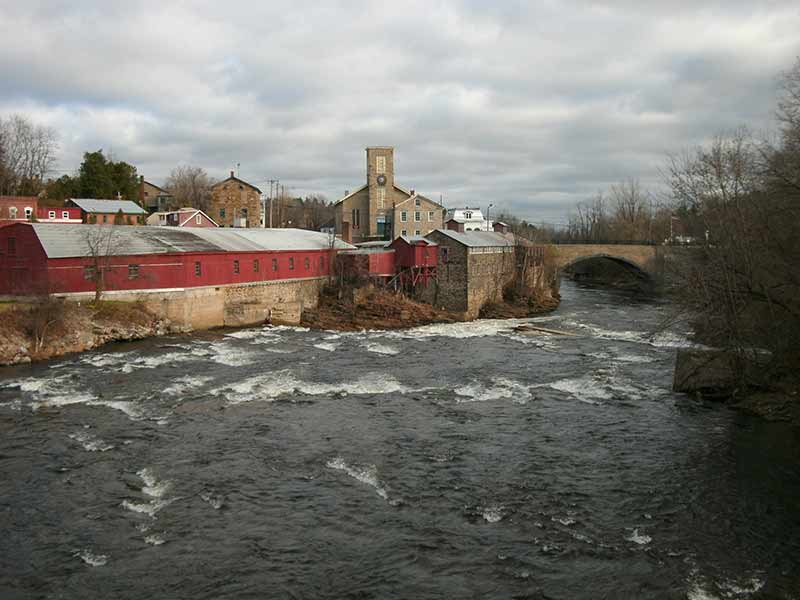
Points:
(710, 373)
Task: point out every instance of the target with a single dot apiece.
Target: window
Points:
(381, 197)
(105, 218)
(28, 212)
(243, 212)
(133, 271)
(380, 164)
(417, 202)
(274, 264)
(467, 215)
(12, 246)
(65, 214)
(198, 219)
(444, 253)
(12, 212)
(89, 273)
(197, 270)
(51, 214)
(221, 213)
(430, 215)
(403, 216)
(307, 263)
(417, 232)
(291, 263)
(404, 232)
(236, 266)
(255, 265)
(417, 216)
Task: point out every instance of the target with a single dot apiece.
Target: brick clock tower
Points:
(380, 181)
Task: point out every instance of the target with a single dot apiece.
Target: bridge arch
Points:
(631, 266)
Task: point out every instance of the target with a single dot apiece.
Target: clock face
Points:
(381, 180)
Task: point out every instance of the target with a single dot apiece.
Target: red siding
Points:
(414, 255)
(30, 272)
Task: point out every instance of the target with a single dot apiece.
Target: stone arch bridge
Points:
(641, 259)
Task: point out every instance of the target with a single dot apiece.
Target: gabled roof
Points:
(160, 189)
(415, 240)
(236, 179)
(477, 239)
(192, 214)
(353, 193)
(66, 241)
(92, 205)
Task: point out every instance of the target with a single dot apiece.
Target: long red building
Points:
(42, 258)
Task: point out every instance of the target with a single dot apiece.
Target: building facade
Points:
(153, 198)
(15, 209)
(235, 203)
(474, 269)
(466, 219)
(108, 212)
(59, 214)
(382, 210)
(184, 217)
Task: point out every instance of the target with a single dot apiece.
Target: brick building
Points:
(380, 209)
(107, 212)
(235, 203)
(153, 198)
(14, 209)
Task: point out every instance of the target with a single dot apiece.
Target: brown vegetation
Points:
(50, 327)
(354, 309)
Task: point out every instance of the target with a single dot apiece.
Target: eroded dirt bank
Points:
(38, 331)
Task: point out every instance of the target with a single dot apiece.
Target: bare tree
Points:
(27, 155)
(102, 242)
(191, 186)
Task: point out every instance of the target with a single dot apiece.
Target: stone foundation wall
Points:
(279, 302)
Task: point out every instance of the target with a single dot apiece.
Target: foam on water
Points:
(129, 408)
(367, 475)
(479, 328)
(381, 349)
(500, 389)
(229, 355)
(216, 501)
(584, 389)
(493, 514)
(154, 540)
(328, 346)
(90, 442)
(639, 538)
(92, 559)
(152, 486)
(184, 384)
(245, 334)
(280, 383)
(566, 521)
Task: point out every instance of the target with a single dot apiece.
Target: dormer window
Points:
(28, 212)
(467, 215)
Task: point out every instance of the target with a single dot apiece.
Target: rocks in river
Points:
(709, 373)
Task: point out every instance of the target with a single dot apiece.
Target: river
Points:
(447, 461)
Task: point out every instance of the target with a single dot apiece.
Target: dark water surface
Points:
(451, 461)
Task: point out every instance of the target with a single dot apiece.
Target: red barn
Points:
(39, 258)
(368, 262)
(59, 214)
(416, 259)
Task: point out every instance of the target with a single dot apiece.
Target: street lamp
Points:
(488, 208)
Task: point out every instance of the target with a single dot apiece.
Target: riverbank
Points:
(50, 328)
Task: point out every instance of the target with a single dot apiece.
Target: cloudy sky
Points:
(529, 105)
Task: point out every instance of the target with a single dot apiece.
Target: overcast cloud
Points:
(529, 105)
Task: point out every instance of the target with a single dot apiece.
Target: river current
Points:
(447, 461)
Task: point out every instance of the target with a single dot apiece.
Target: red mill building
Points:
(202, 277)
(382, 210)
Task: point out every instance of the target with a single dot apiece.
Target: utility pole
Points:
(271, 198)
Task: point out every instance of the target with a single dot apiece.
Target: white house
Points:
(468, 219)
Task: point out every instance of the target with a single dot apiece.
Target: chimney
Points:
(232, 174)
(346, 193)
(413, 192)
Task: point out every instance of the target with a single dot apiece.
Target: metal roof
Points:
(477, 239)
(92, 205)
(413, 240)
(65, 241)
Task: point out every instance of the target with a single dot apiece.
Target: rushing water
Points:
(449, 461)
